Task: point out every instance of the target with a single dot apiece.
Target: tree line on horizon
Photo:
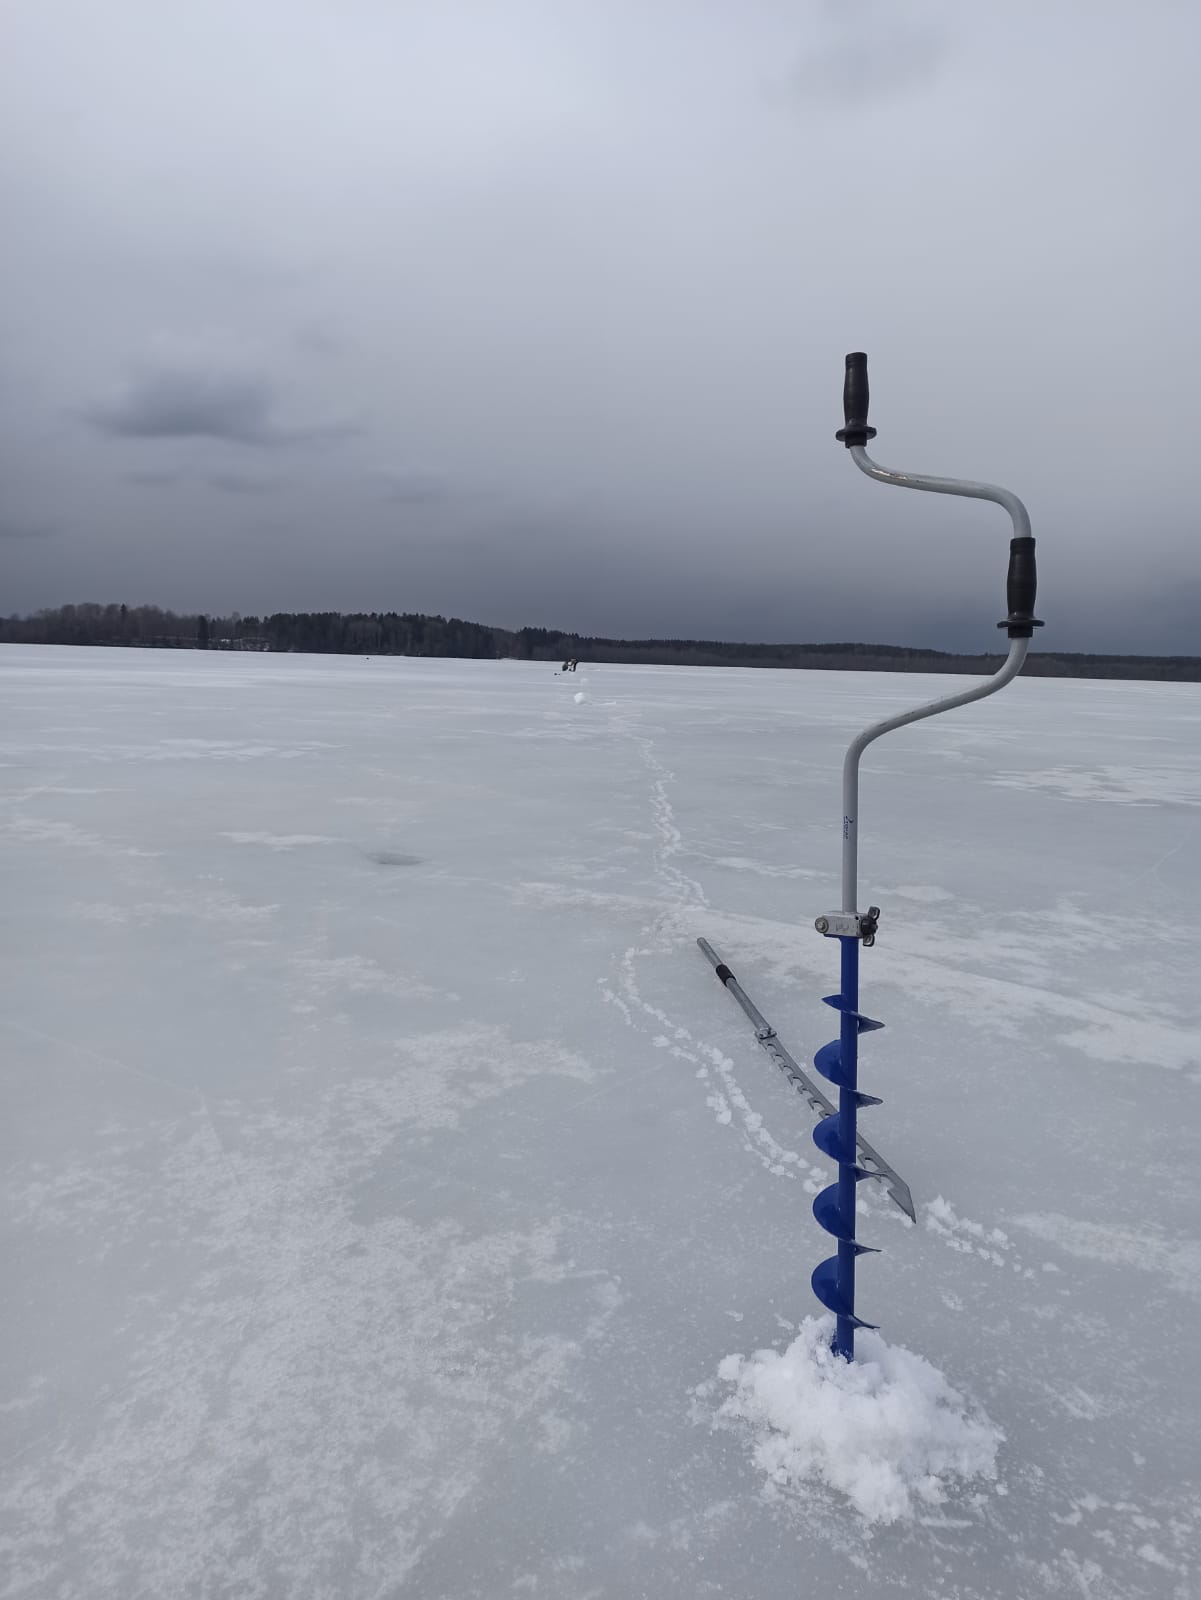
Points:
(417, 634)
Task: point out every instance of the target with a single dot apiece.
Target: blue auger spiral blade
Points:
(828, 1137)
(833, 1219)
(828, 1061)
(837, 1136)
(824, 1283)
(866, 1024)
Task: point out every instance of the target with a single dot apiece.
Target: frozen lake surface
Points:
(386, 1177)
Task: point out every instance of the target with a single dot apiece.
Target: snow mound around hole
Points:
(886, 1430)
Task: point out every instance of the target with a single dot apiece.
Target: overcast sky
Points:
(534, 311)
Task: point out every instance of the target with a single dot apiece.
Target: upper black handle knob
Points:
(854, 402)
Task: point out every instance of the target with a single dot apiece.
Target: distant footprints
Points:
(725, 1097)
(728, 1099)
(684, 890)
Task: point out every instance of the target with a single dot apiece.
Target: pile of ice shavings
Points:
(887, 1430)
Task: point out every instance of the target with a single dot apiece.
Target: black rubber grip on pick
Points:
(1021, 587)
(854, 402)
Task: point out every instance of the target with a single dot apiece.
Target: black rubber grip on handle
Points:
(1021, 587)
(855, 398)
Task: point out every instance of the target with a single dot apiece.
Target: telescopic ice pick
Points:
(836, 1135)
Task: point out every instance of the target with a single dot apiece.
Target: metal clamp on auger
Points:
(851, 925)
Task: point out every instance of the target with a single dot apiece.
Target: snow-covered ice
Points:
(395, 1205)
(886, 1429)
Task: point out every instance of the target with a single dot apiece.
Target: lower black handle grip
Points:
(855, 397)
(1021, 587)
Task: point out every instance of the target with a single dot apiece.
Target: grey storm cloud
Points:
(16, 529)
(195, 399)
(227, 482)
(241, 483)
(413, 485)
(867, 51)
(536, 313)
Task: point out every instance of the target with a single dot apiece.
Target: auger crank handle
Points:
(855, 397)
(1021, 586)
(1022, 583)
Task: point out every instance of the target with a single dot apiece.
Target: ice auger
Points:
(836, 1135)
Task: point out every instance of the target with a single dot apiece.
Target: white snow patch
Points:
(886, 1430)
(1176, 1260)
(762, 870)
(1111, 784)
(1148, 1552)
(970, 1238)
(278, 841)
(721, 1107)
